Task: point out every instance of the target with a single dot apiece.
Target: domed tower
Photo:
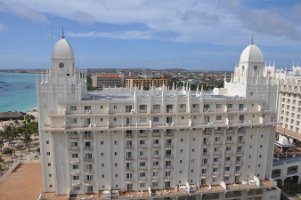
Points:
(248, 79)
(62, 60)
(64, 81)
(251, 65)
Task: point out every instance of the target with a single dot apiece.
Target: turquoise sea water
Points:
(17, 91)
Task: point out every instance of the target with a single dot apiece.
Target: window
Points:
(115, 106)
(88, 156)
(156, 107)
(75, 166)
(218, 106)
(155, 119)
(142, 119)
(128, 108)
(142, 108)
(229, 106)
(167, 173)
(76, 188)
(156, 141)
(218, 117)
(73, 108)
(47, 141)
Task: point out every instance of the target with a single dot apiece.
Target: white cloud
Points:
(128, 35)
(189, 20)
(23, 11)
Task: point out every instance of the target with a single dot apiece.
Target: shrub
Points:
(7, 150)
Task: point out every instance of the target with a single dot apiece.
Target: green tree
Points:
(89, 83)
(10, 132)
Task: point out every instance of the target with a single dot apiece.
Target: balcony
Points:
(74, 160)
(74, 136)
(89, 181)
(143, 134)
(74, 148)
(75, 171)
(168, 156)
(142, 168)
(241, 142)
(168, 167)
(207, 143)
(292, 171)
(156, 111)
(169, 133)
(142, 157)
(206, 153)
(88, 148)
(156, 134)
(129, 168)
(88, 136)
(89, 171)
(142, 111)
(230, 152)
(142, 146)
(168, 145)
(129, 135)
(75, 182)
(156, 167)
(88, 111)
(229, 142)
(276, 173)
(156, 156)
(129, 146)
(129, 158)
(88, 159)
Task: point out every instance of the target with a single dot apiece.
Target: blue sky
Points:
(190, 34)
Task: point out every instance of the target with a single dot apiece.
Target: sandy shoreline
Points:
(33, 112)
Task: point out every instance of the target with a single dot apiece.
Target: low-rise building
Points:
(104, 80)
(148, 81)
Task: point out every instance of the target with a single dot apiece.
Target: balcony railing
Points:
(89, 159)
(168, 145)
(89, 148)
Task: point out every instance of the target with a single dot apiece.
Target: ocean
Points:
(17, 91)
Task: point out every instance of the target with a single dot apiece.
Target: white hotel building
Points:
(128, 143)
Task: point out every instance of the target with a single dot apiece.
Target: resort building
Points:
(104, 80)
(148, 82)
(161, 143)
(287, 159)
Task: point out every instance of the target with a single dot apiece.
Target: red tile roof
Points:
(108, 76)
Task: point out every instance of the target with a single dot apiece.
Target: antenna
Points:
(63, 35)
(252, 42)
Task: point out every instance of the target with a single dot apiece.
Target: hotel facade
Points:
(130, 143)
